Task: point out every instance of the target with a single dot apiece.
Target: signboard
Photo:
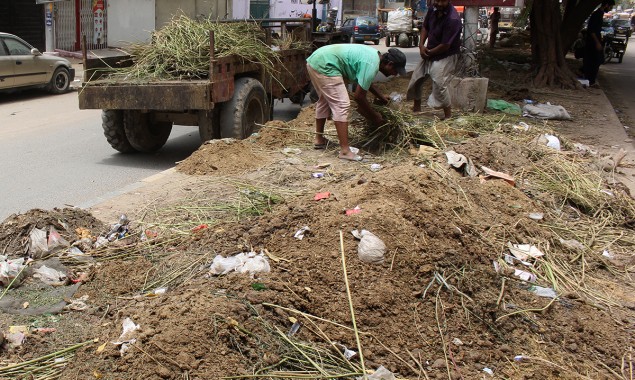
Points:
(98, 21)
(490, 3)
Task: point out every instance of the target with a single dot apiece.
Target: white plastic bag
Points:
(250, 262)
(9, 269)
(50, 276)
(56, 240)
(399, 20)
(371, 249)
(546, 111)
(37, 243)
(382, 374)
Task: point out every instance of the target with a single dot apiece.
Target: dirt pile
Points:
(448, 300)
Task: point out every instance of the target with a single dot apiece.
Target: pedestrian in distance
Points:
(442, 31)
(330, 67)
(594, 49)
(494, 19)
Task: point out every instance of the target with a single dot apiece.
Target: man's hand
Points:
(425, 52)
(598, 46)
(377, 120)
(381, 100)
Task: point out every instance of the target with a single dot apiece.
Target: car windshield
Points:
(366, 21)
(606, 24)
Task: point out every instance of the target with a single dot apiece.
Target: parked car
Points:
(23, 66)
(363, 28)
(622, 27)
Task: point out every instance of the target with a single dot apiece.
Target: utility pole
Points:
(49, 34)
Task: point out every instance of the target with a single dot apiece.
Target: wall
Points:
(129, 21)
(240, 9)
(216, 9)
(296, 8)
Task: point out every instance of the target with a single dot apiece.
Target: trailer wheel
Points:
(209, 123)
(112, 123)
(145, 135)
(415, 40)
(387, 40)
(248, 106)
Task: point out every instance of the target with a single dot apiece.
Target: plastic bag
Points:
(546, 111)
(50, 276)
(37, 243)
(250, 262)
(9, 269)
(371, 249)
(56, 240)
(399, 20)
(382, 374)
(503, 106)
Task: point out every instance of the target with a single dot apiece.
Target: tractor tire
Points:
(112, 123)
(60, 82)
(415, 40)
(249, 106)
(209, 123)
(387, 41)
(145, 135)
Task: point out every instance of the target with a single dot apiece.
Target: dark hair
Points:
(608, 2)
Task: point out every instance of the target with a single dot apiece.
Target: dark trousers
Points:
(591, 63)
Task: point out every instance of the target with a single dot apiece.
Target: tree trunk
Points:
(576, 11)
(546, 46)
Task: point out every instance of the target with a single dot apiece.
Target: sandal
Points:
(355, 157)
(324, 145)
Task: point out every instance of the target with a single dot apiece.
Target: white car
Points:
(23, 66)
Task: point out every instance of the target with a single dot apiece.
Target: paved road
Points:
(618, 81)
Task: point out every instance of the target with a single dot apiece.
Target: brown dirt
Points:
(435, 308)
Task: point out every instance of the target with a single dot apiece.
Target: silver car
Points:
(23, 66)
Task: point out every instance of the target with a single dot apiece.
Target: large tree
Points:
(552, 33)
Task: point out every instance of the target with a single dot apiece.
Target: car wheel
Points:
(60, 82)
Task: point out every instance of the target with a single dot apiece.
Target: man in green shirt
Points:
(329, 67)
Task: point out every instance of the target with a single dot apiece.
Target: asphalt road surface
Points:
(618, 81)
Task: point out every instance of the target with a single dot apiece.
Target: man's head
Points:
(607, 5)
(393, 62)
(495, 9)
(441, 5)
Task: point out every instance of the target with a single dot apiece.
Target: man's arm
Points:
(364, 108)
(382, 99)
(423, 50)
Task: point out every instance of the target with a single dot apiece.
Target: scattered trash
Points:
(16, 335)
(548, 140)
(200, 227)
(488, 371)
(607, 192)
(489, 173)
(249, 262)
(74, 251)
(519, 358)
(522, 126)
(348, 354)
(584, 82)
(323, 165)
(536, 215)
(320, 196)
(83, 233)
(291, 151)
(573, 244)
(300, 233)
(37, 243)
(148, 234)
(608, 254)
(511, 260)
(523, 275)
(10, 269)
(424, 150)
(375, 167)
(457, 342)
(317, 175)
(157, 292)
(100, 242)
(461, 163)
(119, 229)
(56, 240)
(503, 106)
(371, 248)
(294, 329)
(546, 111)
(77, 304)
(382, 374)
(585, 149)
(258, 286)
(524, 251)
(125, 339)
(353, 211)
(396, 97)
(50, 276)
(543, 292)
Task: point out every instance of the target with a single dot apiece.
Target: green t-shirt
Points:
(356, 63)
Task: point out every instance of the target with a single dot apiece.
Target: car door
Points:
(28, 69)
(6, 67)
